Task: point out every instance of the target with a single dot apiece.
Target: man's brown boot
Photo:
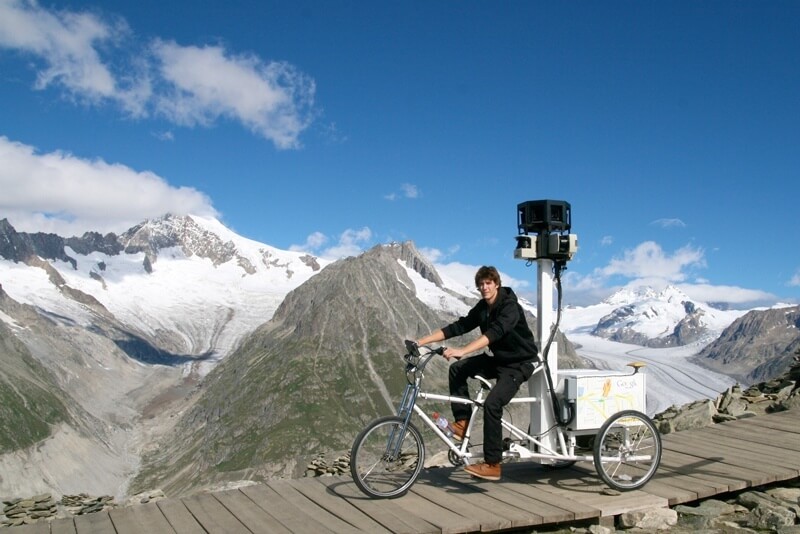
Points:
(484, 471)
(459, 429)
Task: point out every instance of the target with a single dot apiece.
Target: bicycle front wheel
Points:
(387, 457)
(627, 450)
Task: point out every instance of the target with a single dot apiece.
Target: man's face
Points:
(488, 289)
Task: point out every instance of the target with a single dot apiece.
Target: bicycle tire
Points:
(627, 450)
(382, 466)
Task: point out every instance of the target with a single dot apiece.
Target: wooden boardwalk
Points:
(696, 464)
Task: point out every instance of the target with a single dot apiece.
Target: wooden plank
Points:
(710, 468)
(448, 522)
(786, 421)
(320, 495)
(730, 455)
(675, 487)
(580, 483)
(525, 479)
(96, 523)
(590, 490)
(752, 429)
(251, 515)
(468, 504)
(63, 526)
(689, 477)
(677, 493)
(212, 516)
(724, 464)
(714, 471)
(465, 506)
(785, 442)
(383, 511)
(724, 435)
(744, 452)
(40, 527)
(179, 517)
(742, 438)
(309, 508)
(139, 518)
(288, 513)
(458, 482)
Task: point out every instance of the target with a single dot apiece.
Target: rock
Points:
(693, 415)
(791, 403)
(319, 466)
(708, 508)
(652, 519)
(29, 510)
(789, 497)
(770, 516)
(753, 499)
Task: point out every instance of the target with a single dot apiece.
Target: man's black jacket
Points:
(510, 338)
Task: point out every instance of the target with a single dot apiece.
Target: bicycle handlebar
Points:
(415, 359)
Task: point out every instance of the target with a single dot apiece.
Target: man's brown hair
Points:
(487, 273)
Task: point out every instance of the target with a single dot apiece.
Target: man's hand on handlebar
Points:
(453, 353)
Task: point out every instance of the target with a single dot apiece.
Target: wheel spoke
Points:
(627, 450)
(386, 457)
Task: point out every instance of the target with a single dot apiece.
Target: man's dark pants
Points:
(509, 378)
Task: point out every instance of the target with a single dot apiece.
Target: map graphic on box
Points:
(601, 394)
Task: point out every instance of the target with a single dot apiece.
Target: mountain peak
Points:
(669, 317)
(629, 295)
(408, 254)
(673, 294)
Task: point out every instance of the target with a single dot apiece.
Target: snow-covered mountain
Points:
(187, 285)
(650, 318)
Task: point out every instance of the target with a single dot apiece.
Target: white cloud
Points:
(410, 190)
(164, 135)
(67, 45)
(435, 255)
(206, 83)
(67, 195)
(349, 243)
(406, 191)
(98, 61)
(648, 260)
(730, 294)
(649, 265)
(313, 243)
(584, 290)
(795, 280)
(669, 223)
(606, 240)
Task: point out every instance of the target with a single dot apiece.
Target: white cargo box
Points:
(600, 394)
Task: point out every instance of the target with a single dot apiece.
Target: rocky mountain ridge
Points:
(757, 346)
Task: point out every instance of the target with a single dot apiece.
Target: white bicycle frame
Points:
(565, 439)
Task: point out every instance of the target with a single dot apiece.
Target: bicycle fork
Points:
(398, 434)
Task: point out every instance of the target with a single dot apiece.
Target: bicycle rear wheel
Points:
(387, 458)
(627, 450)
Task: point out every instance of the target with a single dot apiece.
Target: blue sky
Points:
(670, 127)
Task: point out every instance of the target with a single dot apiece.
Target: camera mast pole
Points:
(542, 415)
